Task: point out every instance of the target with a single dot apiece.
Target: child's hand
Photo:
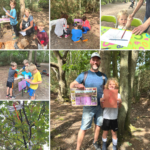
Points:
(119, 102)
(34, 37)
(102, 100)
(42, 45)
(24, 30)
(7, 14)
(129, 20)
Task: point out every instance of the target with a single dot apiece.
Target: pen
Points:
(123, 34)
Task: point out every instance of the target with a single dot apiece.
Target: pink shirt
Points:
(86, 24)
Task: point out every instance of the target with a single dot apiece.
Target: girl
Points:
(85, 25)
(123, 20)
(110, 116)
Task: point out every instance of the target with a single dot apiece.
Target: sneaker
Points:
(25, 91)
(97, 147)
(59, 36)
(66, 36)
(84, 32)
(85, 40)
(7, 96)
(11, 97)
(13, 34)
(114, 147)
(104, 147)
(77, 41)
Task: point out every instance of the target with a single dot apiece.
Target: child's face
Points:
(40, 27)
(26, 64)
(27, 13)
(12, 5)
(27, 70)
(111, 85)
(14, 67)
(122, 20)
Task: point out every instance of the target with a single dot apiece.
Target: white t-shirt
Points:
(111, 113)
(121, 27)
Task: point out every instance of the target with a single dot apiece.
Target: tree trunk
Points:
(22, 8)
(105, 62)
(62, 91)
(114, 64)
(35, 52)
(30, 56)
(124, 92)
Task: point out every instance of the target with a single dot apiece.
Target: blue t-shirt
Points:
(94, 79)
(27, 75)
(13, 13)
(76, 34)
(147, 9)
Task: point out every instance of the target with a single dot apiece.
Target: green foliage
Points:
(18, 56)
(73, 8)
(15, 133)
(44, 3)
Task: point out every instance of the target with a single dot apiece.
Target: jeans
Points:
(15, 30)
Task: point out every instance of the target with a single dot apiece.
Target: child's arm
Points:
(102, 100)
(35, 82)
(119, 102)
(21, 26)
(13, 14)
(129, 20)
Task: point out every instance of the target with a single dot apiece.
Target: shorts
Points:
(88, 113)
(9, 84)
(31, 92)
(110, 125)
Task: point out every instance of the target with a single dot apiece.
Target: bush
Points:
(44, 3)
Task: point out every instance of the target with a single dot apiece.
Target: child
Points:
(61, 27)
(110, 116)
(77, 34)
(13, 17)
(10, 80)
(85, 25)
(26, 64)
(34, 81)
(123, 20)
(27, 75)
(132, 4)
(42, 36)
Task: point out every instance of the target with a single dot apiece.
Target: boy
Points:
(10, 80)
(41, 36)
(77, 34)
(26, 64)
(27, 75)
(13, 17)
(34, 81)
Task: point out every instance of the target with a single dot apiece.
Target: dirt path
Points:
(113, 9)
(37, 16)
(92, 36)
(42, 93)
(66, 121)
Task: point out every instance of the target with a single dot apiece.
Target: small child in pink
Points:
(85, 25)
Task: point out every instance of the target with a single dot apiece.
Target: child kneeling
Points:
(110, 116)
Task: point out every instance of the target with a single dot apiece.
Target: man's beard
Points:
(95, 67)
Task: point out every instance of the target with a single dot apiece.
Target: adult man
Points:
(144, 27)
(94, 79)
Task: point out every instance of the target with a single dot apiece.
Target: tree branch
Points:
(57, 54)
(65, 54)
(54, 65)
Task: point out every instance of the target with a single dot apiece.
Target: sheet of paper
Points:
(5, 10)
(87, 97)
(110, 97)
(117, 34)
(23, 33)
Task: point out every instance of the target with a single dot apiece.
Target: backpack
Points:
(85, 76)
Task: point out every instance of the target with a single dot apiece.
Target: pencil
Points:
(119, 39)
(123, 33)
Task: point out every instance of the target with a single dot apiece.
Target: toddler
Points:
(85, 25)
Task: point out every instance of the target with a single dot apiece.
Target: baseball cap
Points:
(95, 54)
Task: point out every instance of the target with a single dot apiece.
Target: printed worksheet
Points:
(114, 36)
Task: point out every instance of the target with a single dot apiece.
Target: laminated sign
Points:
(87, 97)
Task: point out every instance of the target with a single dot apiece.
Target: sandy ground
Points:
(37, 16)
(92, 36)
(42, 93)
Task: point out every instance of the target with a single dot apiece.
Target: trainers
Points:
(59, 36)
(84, 32)
(97, 147)
(66, 36)
(114, 147)
(25, 91)
(77, 41)
(7, 96)
(11, 97)
(85, 40)
(104, 147)
(15, 38)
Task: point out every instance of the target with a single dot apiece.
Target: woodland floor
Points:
(42, 15)
(93, 36)
(113, 9)
(42, 93)
(66, 122)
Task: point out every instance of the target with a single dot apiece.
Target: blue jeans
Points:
(88, 113)
(85, 29)
(145, 21)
